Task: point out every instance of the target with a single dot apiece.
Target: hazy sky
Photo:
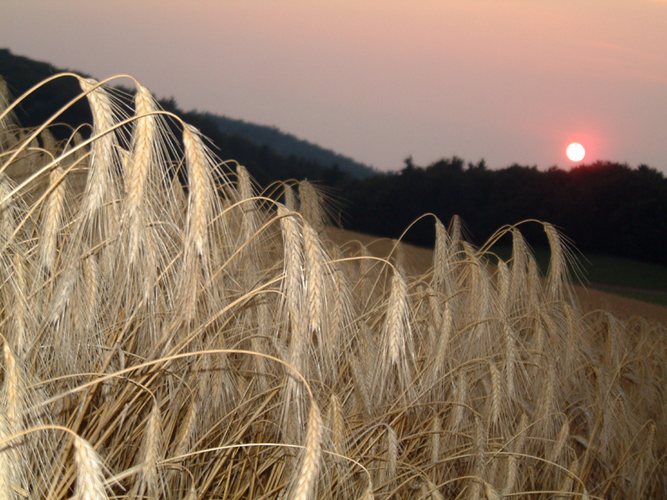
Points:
(378, 80)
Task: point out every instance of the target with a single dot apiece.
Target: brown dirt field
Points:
(418, 260)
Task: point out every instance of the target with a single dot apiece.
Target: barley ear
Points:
(436, 431)
(12, 467)
(136, 172)
(397, 319)
(6, 120)
(150, 481)
(491, 493)
(314, 271)
(102, 149)
(561, 441)
(246, 193)
(9, 460)
(367, 493)
(13, 391)
(392, 455)
(510, 360)
(337, 425)
(307, 474)
(53, 215)
(200, 190)
(455, 230)
(557, 276)
(293, 261)
(496, 395)
(200, 202)
(290, 198)
(89, 472)
(311, 206)
(440, 257)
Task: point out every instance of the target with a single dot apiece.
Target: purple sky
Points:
(508, 81)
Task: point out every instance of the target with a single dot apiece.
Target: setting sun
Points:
(575, 152)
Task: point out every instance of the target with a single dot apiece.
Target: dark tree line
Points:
(605, 207)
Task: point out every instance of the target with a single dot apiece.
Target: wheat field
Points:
(171, 331)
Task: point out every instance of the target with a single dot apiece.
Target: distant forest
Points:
(604, 207)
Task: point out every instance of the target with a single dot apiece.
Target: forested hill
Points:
(288, 145)
(251, 145)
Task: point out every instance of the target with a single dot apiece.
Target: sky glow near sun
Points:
(505, 81)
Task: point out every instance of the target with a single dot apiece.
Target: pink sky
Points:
(507, 81)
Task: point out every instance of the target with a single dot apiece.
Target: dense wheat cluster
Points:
(169, 332)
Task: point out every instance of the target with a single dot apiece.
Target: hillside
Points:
(266, 153)
(289, 145)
